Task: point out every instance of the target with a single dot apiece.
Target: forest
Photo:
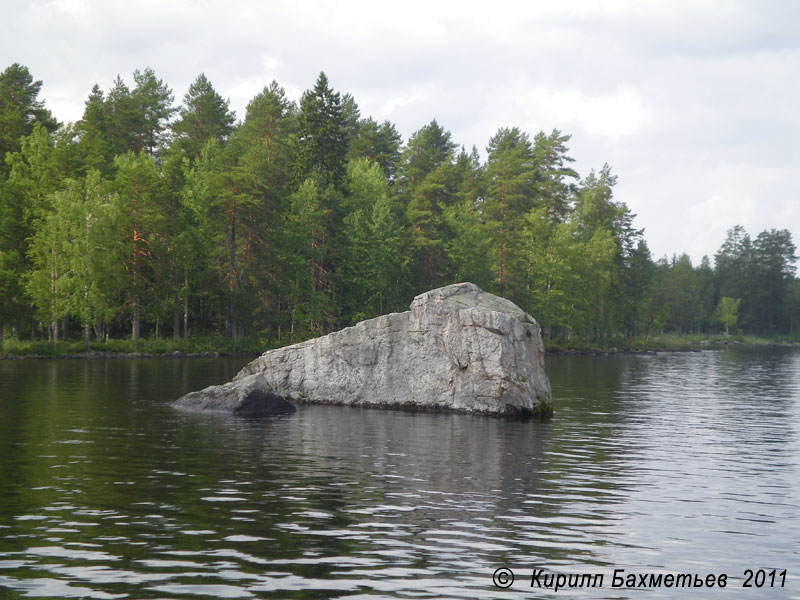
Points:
(150, 219)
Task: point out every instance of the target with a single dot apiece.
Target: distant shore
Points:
(662, 345)
(124, 349)
(123, 355)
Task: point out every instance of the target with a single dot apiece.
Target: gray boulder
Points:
(249, 396)
(457, 349)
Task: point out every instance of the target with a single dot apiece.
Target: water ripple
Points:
(684, 462)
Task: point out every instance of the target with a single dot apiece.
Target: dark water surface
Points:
(677, 463)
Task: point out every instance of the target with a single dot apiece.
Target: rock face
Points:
(457, 349)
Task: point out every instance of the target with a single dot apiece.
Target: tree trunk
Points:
(185, 301)
(232, 270)
(136, 318)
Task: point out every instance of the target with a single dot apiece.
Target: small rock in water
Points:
(249, 397)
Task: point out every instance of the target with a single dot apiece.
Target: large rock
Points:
(457, 349)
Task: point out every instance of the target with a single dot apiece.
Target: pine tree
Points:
(378, 143)
(428, 148)
(553, 190)
(510, 176)
(140, 195)
(266, 146)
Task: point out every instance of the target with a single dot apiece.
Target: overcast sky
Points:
(694, 104)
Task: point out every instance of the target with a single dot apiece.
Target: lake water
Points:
(657, 465)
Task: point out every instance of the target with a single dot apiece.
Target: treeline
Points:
(149, 219)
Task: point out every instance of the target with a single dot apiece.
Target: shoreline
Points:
(706, 345)
(100, 355)
(702, 346)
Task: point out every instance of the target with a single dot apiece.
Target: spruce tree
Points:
(20, 110)
(322, 136)
(94, 141)
(121, 118)
(152, 101)
(203, 116)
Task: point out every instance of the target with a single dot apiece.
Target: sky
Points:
(695, 104)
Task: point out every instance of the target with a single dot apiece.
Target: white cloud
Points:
(391, 105)
(616, 114)
(76, 9)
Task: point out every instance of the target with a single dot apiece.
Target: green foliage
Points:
(427, 185)
(759, 273)
(374, 268)
(94, 131)
(121, 116)
(378, 143)
(35, 173)
(427, 149)
(553, 174)
(152, 103)
(75, 256)
(570, 276)
(323, 135)
(727, 312)
(204, 115)
(469, 246)
(300, 220)
(140, 202)
(510, 174)
(20, 110)
(309, 297)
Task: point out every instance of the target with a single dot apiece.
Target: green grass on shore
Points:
(224, 345)
(155, 346)
(662, 343)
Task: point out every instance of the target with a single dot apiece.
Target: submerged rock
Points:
(457, 349)
(247, 397)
